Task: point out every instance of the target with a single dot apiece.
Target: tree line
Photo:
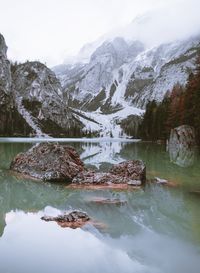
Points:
(180, 106)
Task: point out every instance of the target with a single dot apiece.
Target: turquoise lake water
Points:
(156, 231)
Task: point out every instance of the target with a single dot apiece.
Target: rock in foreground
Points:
(49, 162)
(74, 219)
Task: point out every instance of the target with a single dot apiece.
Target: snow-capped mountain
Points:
(119, 71)
(121, 76)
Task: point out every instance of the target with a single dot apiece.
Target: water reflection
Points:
(37, 246)
(155, 226)
(44, 247)
(183, 156)
(97, 154)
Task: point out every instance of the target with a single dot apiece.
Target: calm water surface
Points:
(157, 231)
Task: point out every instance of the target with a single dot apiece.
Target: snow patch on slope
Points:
(108, 125)
(29, 119)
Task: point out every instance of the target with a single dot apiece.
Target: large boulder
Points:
(181, 145)
(49, 162)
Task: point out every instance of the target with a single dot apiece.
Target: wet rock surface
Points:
(54, 162)
(49, 162)
(132, 173)
(91, 177)
(73, 219)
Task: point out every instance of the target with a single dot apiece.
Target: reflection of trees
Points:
(9, 150)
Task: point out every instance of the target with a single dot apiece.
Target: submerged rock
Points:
(49, 162)
(107, 201)
(73, 219)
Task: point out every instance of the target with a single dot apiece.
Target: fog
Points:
(51, 30)
(173, 21)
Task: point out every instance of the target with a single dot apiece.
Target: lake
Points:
(157, 230)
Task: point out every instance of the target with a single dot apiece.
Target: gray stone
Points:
(49, 162)
(131, 169)
(128, 172)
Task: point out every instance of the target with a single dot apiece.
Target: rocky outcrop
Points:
(11, 122)
(181, 145)
(131, 173)
(39, 99)
(5, 75)
(32, 101)
(49, 162)
(74, 219)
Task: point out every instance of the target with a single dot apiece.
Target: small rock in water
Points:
(160, 180)
(73, 219)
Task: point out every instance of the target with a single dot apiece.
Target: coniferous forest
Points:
(180, 106)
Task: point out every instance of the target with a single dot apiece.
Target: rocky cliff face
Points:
(11, 122)
(32, 102)
(91, 86)
(39, 99)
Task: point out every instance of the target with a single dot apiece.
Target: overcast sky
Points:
(49, 30)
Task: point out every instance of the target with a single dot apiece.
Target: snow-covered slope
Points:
(121, 76)
(107, 125)
(121, 72)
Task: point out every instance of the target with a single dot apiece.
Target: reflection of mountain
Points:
(103, 153)
(19, 194)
